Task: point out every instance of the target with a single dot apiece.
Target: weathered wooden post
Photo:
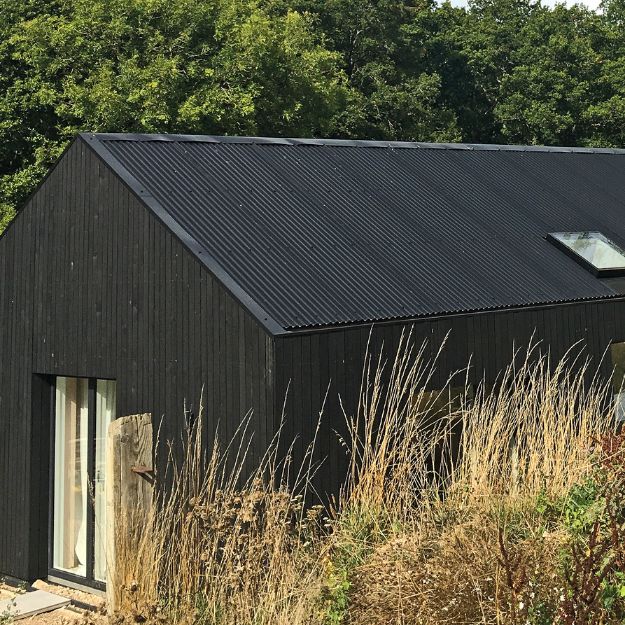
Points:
(129, 490)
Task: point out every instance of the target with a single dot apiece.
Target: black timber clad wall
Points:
(308, 362)
(93, 285)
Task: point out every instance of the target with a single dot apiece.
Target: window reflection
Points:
(593, 247)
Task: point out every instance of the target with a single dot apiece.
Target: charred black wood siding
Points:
(93, 285)
(310, 363)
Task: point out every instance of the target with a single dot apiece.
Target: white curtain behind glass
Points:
(105, 413)
(71, 476)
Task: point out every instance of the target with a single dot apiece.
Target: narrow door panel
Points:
(84, 408)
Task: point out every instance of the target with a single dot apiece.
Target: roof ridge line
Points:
(269, 323)
(363, 143)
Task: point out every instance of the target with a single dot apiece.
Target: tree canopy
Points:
(499, 71)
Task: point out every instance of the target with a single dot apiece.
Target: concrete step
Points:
(31, 603)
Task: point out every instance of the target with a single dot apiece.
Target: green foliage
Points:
(357, 532)
(592, 564)
(613, 591)
(499, 71)
(335, 596)
(540, 614)
(221, 67)
(583, 507)
(7, 616)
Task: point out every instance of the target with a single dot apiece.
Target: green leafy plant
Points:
(594, 568)
(7, 616)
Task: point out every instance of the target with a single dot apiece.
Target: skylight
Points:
(593, 250)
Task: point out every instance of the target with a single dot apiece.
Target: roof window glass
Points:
(592, 249)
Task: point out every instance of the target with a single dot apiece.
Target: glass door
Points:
(71, 477)
(83, 410)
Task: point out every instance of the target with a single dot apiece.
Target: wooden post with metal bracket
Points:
(129, 494)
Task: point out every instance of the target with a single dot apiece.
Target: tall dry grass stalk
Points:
(135, 576)
(437, 481)
(528, 433)
(394, 436)
(411, 531)
(533, 431)
(218, 549)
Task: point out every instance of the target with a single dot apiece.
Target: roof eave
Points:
(332, 327)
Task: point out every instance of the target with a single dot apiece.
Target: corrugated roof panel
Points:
(323, 233)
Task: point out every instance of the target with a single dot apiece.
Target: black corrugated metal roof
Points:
(320, 232)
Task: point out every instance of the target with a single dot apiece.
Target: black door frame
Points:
(88, 580)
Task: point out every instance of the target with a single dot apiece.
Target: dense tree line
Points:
(499, 71)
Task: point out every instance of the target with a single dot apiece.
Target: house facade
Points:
(152, 273)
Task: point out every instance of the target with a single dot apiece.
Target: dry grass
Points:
(451, 576)
(218, 551)
(420, 535)
(440, 552)
(529, 433)
(532, 434)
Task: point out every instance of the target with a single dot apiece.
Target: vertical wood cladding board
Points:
(93, 285)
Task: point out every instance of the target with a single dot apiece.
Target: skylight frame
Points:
(599, 272)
